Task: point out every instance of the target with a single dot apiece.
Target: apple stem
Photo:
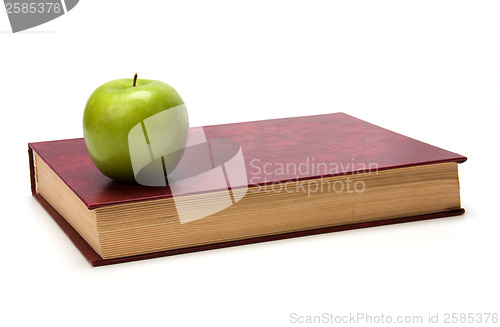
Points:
(135, 79)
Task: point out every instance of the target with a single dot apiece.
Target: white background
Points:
(427, 69)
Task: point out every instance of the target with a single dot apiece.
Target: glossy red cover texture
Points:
(341, 142)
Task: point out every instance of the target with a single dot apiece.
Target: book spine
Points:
(32, 170)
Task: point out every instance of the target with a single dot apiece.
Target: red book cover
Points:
(352, 144)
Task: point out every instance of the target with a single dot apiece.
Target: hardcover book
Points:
(246, 182)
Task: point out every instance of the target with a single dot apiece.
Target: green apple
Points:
(130, 123)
